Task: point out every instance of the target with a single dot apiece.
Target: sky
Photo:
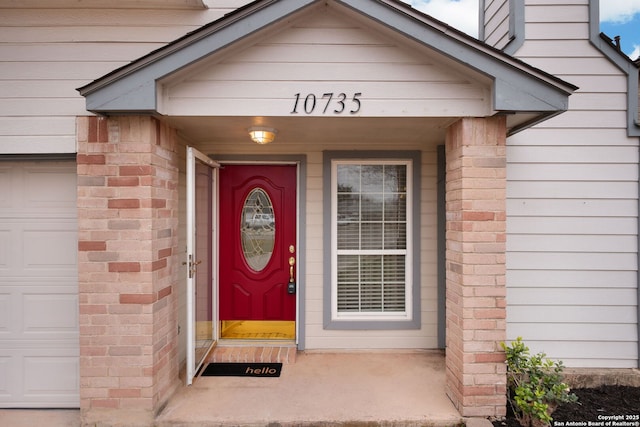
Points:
(622, 18)
(617, 18)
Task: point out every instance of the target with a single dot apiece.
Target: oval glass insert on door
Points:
(258, 229)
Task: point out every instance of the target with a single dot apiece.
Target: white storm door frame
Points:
(193, 156)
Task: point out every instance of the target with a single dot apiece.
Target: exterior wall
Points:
(316, 336)
(494, 22)
(45, 54)
(127, 263)
(573, 204)
(128, 194)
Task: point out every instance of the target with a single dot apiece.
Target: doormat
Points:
(242, 370)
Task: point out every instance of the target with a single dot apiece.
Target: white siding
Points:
(45, 54)
(326, 53)
(572, 204)
(496, 23)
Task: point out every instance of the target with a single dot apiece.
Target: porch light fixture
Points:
(261, 135)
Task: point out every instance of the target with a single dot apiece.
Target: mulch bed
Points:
(605, 400)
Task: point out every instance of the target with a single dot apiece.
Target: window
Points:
(371, 244)
(258, 229)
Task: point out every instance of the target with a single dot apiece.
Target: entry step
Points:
(264, 354)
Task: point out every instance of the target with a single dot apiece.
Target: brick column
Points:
(475, 265)
(127, 246)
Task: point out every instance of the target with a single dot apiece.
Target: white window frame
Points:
(407, 314)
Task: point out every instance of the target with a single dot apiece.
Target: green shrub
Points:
(535, 387)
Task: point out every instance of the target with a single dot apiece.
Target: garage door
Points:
(39, 341)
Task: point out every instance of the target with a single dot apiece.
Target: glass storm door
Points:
(257, 289)
(201, 176)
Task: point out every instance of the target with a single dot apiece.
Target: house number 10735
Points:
(336, 104)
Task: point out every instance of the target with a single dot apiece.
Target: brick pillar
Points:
(475, 265)
(127, 246)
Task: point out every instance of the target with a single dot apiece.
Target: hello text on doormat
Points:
(242, 370)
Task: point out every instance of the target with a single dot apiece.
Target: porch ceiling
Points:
(293, 130)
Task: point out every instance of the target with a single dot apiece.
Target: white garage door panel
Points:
(39, 378)
(49, 375)
(6, 189)
(49, 187)
(37, 253)
(39, 318)
(28, 248)
(39, 339)
(5, 246)
(35, 311)
(5, 314)
(5, 372)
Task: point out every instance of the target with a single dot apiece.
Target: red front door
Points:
(257, 243)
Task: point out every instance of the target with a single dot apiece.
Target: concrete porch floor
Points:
(319, 389)
(323, 388)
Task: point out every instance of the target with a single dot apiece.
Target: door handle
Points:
(192, 266)
(291, 287)
(292, 262)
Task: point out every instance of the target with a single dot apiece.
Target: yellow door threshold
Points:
(258, 329)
